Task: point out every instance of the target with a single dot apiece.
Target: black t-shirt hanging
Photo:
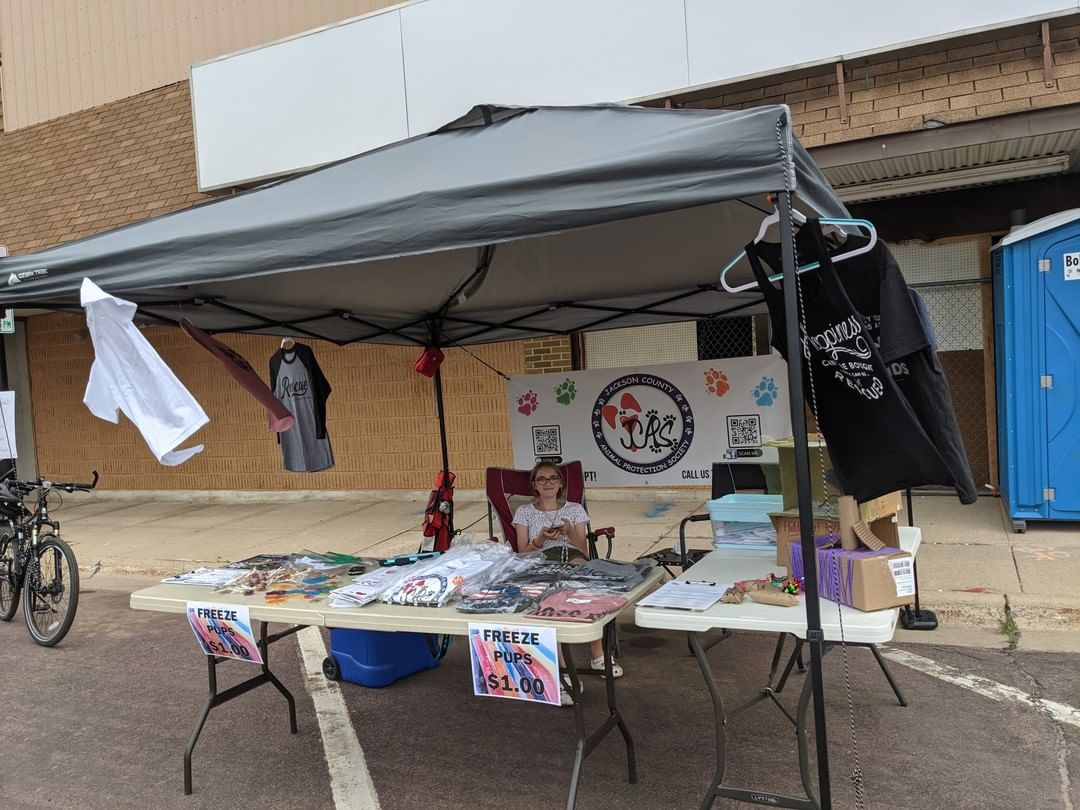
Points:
(876, 442)
(876, 288)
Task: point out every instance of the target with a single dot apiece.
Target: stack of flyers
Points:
(366, 588)
(214, 577)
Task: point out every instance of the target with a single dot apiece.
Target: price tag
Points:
(516, 662)
(903, 574)
(224, 631)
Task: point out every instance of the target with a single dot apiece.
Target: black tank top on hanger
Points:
(875, 440)
(876, 287)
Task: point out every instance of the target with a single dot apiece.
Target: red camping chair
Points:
(504, 484)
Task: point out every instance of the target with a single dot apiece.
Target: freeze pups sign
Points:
(643, 424)
(651, 425)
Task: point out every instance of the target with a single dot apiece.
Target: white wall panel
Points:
(459, 53)
(299, 103)
(337, 92)
(728, 40)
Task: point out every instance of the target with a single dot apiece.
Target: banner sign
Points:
(516, 662)
(224, 631)
(652, 425)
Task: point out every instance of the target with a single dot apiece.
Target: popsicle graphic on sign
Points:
(515, 662)
(224, 631)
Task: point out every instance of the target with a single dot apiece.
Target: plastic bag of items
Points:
(435, 582)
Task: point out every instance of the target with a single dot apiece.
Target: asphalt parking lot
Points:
(102, 721)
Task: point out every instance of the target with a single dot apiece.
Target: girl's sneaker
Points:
(598, 664)
(566, 695)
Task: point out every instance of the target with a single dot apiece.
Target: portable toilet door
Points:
(1058, 253)
(1036, 271)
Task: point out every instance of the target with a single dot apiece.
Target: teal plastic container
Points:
(738, 512)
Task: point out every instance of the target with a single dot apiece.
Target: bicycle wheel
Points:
(51, 593)
(9, 579)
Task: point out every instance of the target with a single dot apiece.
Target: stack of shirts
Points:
(576, 605)
(504, 598)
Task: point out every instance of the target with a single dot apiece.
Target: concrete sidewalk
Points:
(973, 571)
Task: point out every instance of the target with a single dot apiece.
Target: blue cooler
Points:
(374, 658)
(737, 512)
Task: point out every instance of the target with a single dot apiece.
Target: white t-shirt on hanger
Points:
(129, 376)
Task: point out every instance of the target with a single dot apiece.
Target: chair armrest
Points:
(683, 561)
(593, 534)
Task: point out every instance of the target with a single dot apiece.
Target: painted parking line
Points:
(350, 780)
(1061, 712)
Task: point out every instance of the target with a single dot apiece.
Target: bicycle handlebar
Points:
(24, 488)
(70, 487)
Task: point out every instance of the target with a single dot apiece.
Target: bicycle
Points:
(36, 562)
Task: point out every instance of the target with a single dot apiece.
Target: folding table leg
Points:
(888, 675)
(210, 703)
(804, 747)
(587, 742)
(754, 796)
(215, 698)
(718, 716)
(579, 724)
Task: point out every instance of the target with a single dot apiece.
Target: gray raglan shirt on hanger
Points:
(301, 447)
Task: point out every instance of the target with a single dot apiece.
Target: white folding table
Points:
(397, 618)
(858, 629)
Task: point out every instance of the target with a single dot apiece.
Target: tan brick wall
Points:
(380, 417)
(94, 170)
(547, 354)
(964, 80)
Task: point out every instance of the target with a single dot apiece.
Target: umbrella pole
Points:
(442, 438)
(814, 635)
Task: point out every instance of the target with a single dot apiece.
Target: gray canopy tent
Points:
(504, 224)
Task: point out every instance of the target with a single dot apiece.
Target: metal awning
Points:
(945, 157)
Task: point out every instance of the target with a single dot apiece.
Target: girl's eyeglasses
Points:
(547, 479)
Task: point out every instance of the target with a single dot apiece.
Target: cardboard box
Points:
(879, 514)
(785, 450)
(865, 580)
(788, 532)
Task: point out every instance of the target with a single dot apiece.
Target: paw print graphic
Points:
(528, 402)
(716, 382)
(765, 392)
(565, 392)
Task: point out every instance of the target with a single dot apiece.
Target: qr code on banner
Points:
(744, 431)
(547, 440)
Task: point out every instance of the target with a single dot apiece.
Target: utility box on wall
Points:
(1036, 272)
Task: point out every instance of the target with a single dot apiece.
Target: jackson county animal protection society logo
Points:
(642, 424)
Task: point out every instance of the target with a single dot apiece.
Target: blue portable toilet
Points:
(1036, 272)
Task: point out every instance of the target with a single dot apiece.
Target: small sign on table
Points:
(224, 631)
(517, 662)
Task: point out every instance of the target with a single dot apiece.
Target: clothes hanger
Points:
(287, 343)
(798, 217)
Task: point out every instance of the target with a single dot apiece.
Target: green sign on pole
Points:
(7, 322)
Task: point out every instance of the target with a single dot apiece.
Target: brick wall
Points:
(547, 354)
(98, 169)
(380, 416)
(964, 80)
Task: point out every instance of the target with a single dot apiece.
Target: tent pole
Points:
(442, 421)
(442, 440)
(814, 635)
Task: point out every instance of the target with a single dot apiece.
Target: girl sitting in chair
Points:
(557, 529)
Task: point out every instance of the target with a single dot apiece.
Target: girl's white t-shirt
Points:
(536, 520)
